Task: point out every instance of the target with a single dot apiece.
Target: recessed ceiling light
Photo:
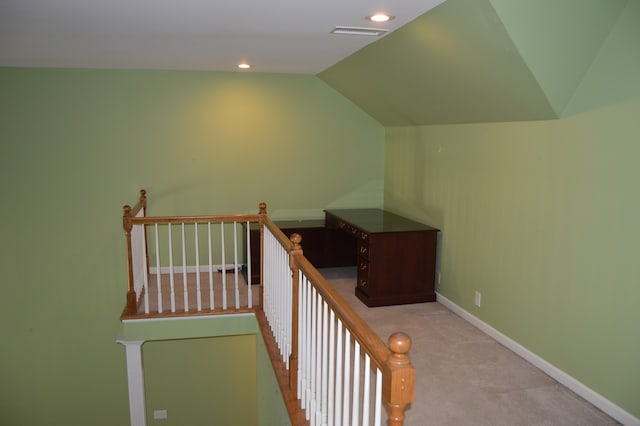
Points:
(380, 17)
(244, 66)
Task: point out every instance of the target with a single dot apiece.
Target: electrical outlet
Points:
(159, 414)
(478, 299)
(438, 277)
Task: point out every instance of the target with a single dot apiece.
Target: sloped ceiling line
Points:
(469, 61)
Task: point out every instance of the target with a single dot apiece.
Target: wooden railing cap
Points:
(296, 239)
(399, 343)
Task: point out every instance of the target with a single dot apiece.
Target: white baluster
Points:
(171, 270)
(268, 266)
(366, 393)
(224, 266)
(377, 421)
(278, 302)
(158, 279)
(314, 350)
(301, 325)
(318, 354)
(198, 296)
(211, 301)
(356, 383)
(136, 248)
(332, 358)
(310, 354)
(325, 360)
(145, 284)
(235, 264)
(282, 279)
(184, 271)
(287, 309)
(339, 358)
(248, 248)
(347, 377)
(266, 276)
(145, 272)
(279, 327)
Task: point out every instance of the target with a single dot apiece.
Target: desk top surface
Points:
(378, 220)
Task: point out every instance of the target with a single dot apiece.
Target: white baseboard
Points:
(579, 388)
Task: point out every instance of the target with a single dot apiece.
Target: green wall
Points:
(78, 144)
(560, 52)
(542, 219)
(182, 352)
(185, 376)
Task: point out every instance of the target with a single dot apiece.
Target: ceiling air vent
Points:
(359, 31)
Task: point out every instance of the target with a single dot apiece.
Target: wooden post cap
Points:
(399, 343)
(296, 239)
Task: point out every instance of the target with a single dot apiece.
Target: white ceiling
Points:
(283, 36)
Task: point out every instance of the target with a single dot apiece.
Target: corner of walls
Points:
(614, 75)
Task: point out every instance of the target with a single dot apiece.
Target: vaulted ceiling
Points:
(471, 61)
(443, 62)
(275, 36)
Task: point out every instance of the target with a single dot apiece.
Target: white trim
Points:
(192, 268)
(135, 379)
(190, 317)
(579, 388)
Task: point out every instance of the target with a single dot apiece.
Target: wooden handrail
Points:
(196, 219)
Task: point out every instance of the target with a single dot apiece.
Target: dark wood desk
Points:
(395, 255)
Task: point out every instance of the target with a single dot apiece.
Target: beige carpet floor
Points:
(464, 377)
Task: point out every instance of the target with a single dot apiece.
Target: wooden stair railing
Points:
(398, 374)
(174, 268)
(392, 360)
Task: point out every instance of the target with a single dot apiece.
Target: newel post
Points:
(398, 390)
(296, 239)
(262, 214)
(143, 206)
(131, 307)
(143, 201)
